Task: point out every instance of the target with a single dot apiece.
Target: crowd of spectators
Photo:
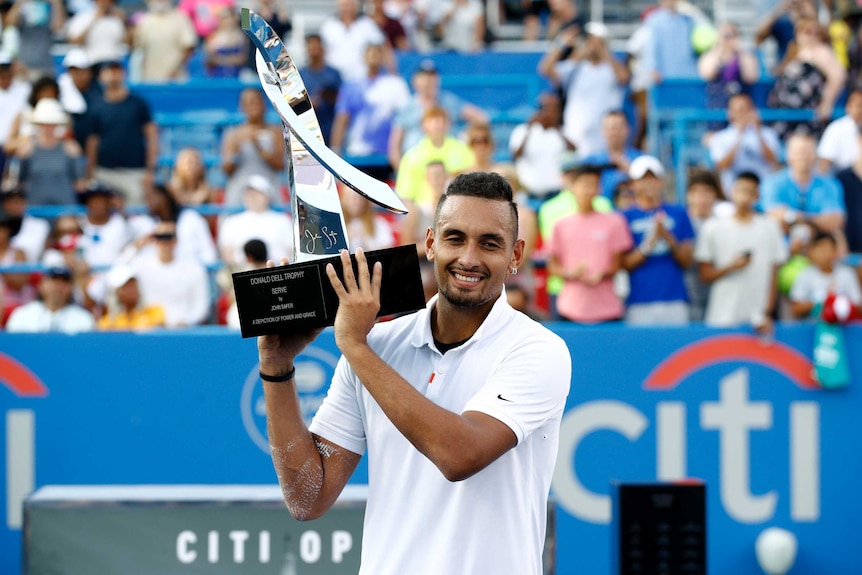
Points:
(770, 226)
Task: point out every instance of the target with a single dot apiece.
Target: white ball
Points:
(776, 550)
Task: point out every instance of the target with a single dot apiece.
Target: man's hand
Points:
(277, 352)
(740, 262)
(358, 300)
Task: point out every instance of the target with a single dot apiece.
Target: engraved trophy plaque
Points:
(299, 297)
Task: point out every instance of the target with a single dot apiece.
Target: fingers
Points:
(362, 267)
(377, 280)
(335, 282)
(271, 263)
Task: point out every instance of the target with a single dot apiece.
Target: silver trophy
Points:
(299, 296)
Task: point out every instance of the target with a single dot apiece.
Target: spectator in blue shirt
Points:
(364, 112)
(322, 82)
(669, 52)
(798, 193)
(617, 152)
(664, 248)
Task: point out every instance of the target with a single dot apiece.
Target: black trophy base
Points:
(298, 297)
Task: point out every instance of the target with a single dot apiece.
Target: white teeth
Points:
(461, 278)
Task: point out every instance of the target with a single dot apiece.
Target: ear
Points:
(429, 244)
(517, 254)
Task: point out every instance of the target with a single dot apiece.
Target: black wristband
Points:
(278, 378)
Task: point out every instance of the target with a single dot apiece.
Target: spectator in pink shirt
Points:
(204, 14)
(586, 250)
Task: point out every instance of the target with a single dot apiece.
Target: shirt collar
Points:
(500, 315)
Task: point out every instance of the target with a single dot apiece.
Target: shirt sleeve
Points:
(769, 193)
(827, 148)
(703, 247)
(800, 290)
(622, 238)
(339, 419)
(719, 146)
(529, 387)
(831, 197)
(683, 232)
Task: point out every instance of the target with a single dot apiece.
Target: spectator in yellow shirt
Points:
(126, 311)
(436, 146)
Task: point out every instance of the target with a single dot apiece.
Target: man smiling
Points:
(458, 405)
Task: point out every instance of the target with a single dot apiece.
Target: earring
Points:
(514, 271)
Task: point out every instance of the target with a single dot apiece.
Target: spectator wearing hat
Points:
(125, 308)
(54, 311)
(798, 193)
(101, 31)
(436, 146)
(365, 109)
(255, 259)
(562, 205)
(838, 148)
(538, 147)
(34, 231)
(407, 128)
(616, 152)
(745, 145)
(105, 231)
(586, 251)
(52, 165)
(257, 221)
(253, 147)
(739, 257)
(123, 144)
(180, 286)
(322, 82)
(663, 240)
(165, 38)
(37, 21)
(22, 131)
(592, 81)
(79, 93)
(13, 99)
(15, 287)
(346, 36)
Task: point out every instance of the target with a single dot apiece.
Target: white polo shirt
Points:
(417, 522)
(840, 143)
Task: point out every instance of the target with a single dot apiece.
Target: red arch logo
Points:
(19, 379)
(746, 348)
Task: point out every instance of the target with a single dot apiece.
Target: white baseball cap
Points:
(261, 184)
(643, 164)
(119, 276)
(77, 58)
(597, 29)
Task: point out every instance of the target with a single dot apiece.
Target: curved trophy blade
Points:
(285, 89)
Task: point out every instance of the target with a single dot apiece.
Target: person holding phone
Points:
(740, 256)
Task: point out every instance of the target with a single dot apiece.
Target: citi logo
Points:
(20, 437)
(740, 423)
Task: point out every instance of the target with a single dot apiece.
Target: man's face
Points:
(472, 247)
(99, 206)
(594, 46)
(55, 292)
(81, 77)
(435, 126)
(112, 76)
(700, 199)
(744, 194)
(251, 103)
(314, 48)
(822, 253)
(5, 76)
(801, 153)
(585, 188)
(165, 236)
(15, 205)
(128, 294)
(374, 56)
(854, 106)
(739, 109)
(426, 83)
(616, 129)
(648, 187)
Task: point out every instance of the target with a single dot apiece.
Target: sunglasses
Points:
(475, 141)
(164, 237)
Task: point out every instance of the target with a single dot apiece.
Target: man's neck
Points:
(54, 306)
(827, 268)
(166, 258)
(617, 148)
(743, 214)
(316, 63)
(98, 219)
(450, 323)
(801, 177)
(437, 141)
(115, 94)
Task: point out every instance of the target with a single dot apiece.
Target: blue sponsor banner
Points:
(646, 405)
